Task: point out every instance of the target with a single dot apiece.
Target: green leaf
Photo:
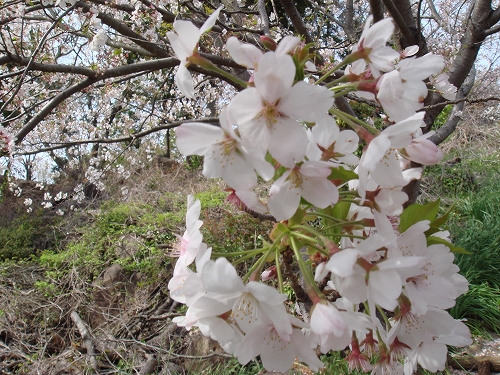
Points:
(431, 240)
(341, 210)
(418, 212)
(342, 175)
(443, 219)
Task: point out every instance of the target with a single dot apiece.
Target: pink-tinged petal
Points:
(189, 35)
(375, 151)
(304, 351)
(326, 131)
(276, 354)
(401, 133)
(184, 81)
(390, 201)
(278, 316)
(389, 87)
(251, 345)
(385, 288)
(193, 214)
(205, 307)
(203, 256)
(377, 34)
(319, 192)
(284, 134)
(233, 168)
(216, 328)
(179, 48)
(418, 305)
(220, 277)
(306, 102)
(420, 68)
(347, 142)
(284, 198)
(327, 320)
(387, 172)
(286, 44)
(353, 286)
(275, 76)
(432, 356)
(424, 152)
(244, 54)
(210, 22)
(263, 168)
(265, 293)
(342, 263)
(245, 106)
(195, 138)
(410, 51)
(250, 199)
(383, 58)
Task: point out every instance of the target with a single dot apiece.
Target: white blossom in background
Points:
(98, 41)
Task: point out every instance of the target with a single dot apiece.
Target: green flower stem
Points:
(236, 253)
(386, 319)
(342, 93)
(262, 260)
(345, 224)
(278, 271)
(353, 121)
(305, 238)
(258, 265)
(326, 216)
(311, 288)
(309, 229)
(347, 60)
(247, 256)
(208, 65)
(354, 236)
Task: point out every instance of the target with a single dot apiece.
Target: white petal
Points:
(306, 102)
(275, 76)
(195, 138)
(244, 54)
(210, 22)
(184, 81)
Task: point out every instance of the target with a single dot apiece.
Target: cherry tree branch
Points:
(130, 138)
(377, 10)
(455, 116)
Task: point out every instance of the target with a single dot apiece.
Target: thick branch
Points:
(481, 19)
(296, 19)
(455, 116)
(377, 10)
(400, 19)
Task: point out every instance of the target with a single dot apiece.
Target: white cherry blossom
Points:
(184, 41)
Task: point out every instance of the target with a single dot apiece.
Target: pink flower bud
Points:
(269, 274)
(269, 43)
(424, 152)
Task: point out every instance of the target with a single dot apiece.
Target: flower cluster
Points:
(6, 142)
(392, 273)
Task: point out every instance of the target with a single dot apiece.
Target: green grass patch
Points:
(476, 227)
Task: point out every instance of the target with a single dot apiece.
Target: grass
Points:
(476, 227)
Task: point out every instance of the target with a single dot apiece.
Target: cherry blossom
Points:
(267, 114)
(308, 180)
(184, 41)
(372, 46)
(225, 154)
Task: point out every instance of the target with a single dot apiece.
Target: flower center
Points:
(270, 113)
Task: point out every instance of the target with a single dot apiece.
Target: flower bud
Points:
(269, 43)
